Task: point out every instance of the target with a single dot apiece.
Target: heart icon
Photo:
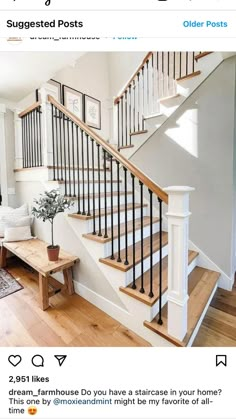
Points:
(14, 360)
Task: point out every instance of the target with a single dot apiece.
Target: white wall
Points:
(10, 155)
(195, 147)
(122, 65)
(90, 76)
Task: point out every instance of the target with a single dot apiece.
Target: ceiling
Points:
(23, 72)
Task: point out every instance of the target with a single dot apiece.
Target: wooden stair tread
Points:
(203, 54)
(125, 147)
(101, 239)
(115, 210)
(143, 297)
(200, 286)
(102, 195)
(136, 133)
(167, 98)
(146, 252)
(189, 76)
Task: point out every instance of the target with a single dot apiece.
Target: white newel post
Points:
(178, 235)
(46, 122)
(3, 163)
(18, 140)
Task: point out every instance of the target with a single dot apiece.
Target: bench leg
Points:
(3, 262)
(43, 292)
(69, 281)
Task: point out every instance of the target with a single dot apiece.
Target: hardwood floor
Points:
(70, 320)
(219, 325)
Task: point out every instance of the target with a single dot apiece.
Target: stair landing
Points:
(200, 287)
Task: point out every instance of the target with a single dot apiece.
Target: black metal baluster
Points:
(151, 245)
(40, 138)
(118, 208)
(83, 180)
(133, 217)
(141, 227)
(27, 140)
(34, 138)
(160, 322)
(193, 62)
(122, 121)
(126, 219)
(78, 168)
(73, 156)
(138, 99)
(88, 175)
(64, 138)
(60, 136)
(112, 211)
(105, 192)
(23, 139)
(37, 137)
(163, 72)
(93, 176)
(99, 193)
(57, 146)
(31, 140)
(68, 147)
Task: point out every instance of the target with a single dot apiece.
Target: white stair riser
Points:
(88, 188)
(102, 200)
(155, 308)
(74, 175)
(115, 218)
(146, 265)
(146, 232)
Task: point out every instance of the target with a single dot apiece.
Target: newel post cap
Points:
(178, 189)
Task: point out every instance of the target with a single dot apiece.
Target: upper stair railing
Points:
(32, 154)
(154, 79)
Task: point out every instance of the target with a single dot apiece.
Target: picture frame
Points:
(58, 93)
(92, 112)
(72, 99)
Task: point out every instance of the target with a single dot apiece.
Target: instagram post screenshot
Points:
(117, 209)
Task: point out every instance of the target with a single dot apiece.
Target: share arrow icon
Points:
(60, 359)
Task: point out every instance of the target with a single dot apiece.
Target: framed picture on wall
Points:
(56, 94)
(92, 112)
(73, 101)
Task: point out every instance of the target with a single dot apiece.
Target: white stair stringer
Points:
(136, 312)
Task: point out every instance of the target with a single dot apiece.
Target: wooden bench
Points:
(34, 253)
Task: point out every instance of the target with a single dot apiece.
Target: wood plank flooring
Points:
(70, 320)
(219, 325)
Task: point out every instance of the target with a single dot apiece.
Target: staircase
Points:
(119, 212)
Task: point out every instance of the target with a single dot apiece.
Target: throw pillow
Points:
(14, 234)
(14, 214)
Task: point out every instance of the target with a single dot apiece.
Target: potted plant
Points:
(47, 207)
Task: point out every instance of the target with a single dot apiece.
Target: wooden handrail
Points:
(112, 151)
(146, 58)
(29, 109)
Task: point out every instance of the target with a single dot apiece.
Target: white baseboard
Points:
(225, 282)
